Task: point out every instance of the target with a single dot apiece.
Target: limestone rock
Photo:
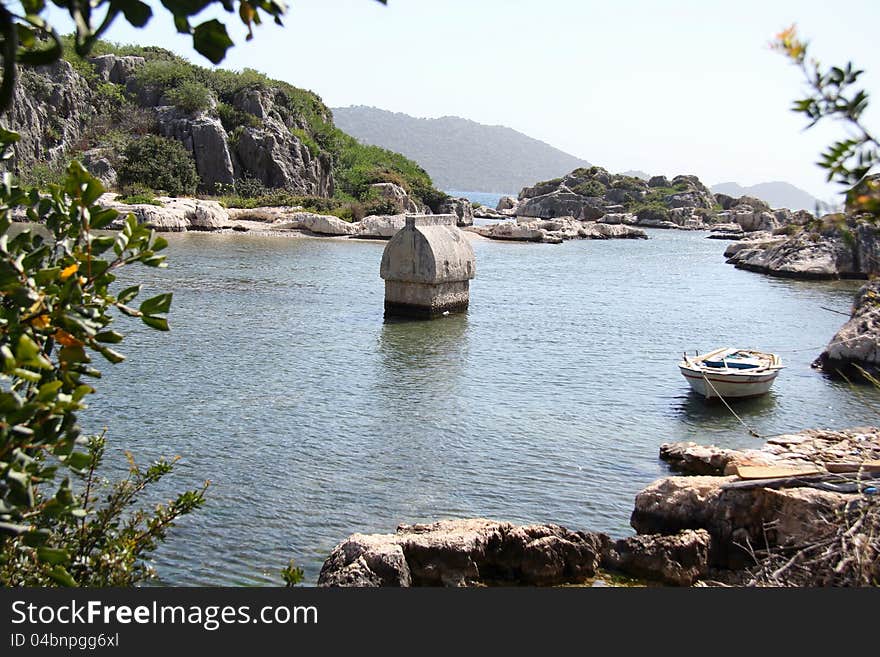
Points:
(857, 343)
(463, 553)
(382, 226)
(204, 137)
(52, 108)
(174, 215)
(116, 69)
(321, 224)
(276, 157)
(561, 202)
(506, 203)
(397, 196)
(97, 162)
(461, 208)
(680, 559)
(554, 231)
(811, 256)
(735, 518)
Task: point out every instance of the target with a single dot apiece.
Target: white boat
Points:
(731, 373)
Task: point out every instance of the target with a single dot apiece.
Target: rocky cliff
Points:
(245, 134)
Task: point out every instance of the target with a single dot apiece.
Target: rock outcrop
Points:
(762, 514)
(679, 560)
(463, 553)
(853, 252)
(52, 108)
(461, 208)
(855, 348)
(396, 197)
(554, 231)
(174, 215)
(205, 138)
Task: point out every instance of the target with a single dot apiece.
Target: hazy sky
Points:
(667, 87)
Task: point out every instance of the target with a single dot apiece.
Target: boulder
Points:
(174, 215)
(278, 159)
(321, 224)
(737, 519)
(97, 162)
(856, 346)
(604, 231)
(461, 208)
(680, 559)
(659, 181)
(618, 218)
(463, 553)
(506, 203)
(756, 516)
(807, 255)
(205, 138)
(116, 69)
(751, 219)
(381, 226)
(561, 203)
(397, 197)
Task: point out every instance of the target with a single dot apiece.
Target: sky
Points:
(665, 87)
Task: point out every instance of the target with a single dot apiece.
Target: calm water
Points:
(547, 402)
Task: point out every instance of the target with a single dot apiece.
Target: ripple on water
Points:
(547, 402)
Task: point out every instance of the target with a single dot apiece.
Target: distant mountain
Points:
(458, 153)
(635, 173)
(777, 194)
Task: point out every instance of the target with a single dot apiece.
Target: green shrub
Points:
(232, 117)
(306, 139)
(165, 74)
(248, 187)
(161, 164)
(652, 211)
(190, 96)
(134, 194)
(590, 188)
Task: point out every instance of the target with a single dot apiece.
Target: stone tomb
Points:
(427, 266)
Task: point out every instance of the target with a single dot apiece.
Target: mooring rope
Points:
(724, 401)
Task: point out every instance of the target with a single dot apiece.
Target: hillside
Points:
(778, 194)
(146, 121)
(458, 153)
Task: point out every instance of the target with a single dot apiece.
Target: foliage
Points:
(135, 194)
(652, 212)
(232, 117)
(292, 575)
(101, 543)
(57, 307)
(161, 164)
(590, 188)
(190, 96)
(832, 94)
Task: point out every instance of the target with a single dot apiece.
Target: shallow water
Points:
(547, 402)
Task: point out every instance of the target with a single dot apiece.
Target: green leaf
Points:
(103, 218)
(36, 537)
(62, 577)
(27, 349)
(158, 323)
(53, 556)
(211, 40)
(113, 356)
(158, 304)
(111, 337)
(128, 294)
(78, 460)
(137, 13)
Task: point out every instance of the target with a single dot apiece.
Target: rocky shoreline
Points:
(706, 526)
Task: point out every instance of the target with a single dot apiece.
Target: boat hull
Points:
(729, 385)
